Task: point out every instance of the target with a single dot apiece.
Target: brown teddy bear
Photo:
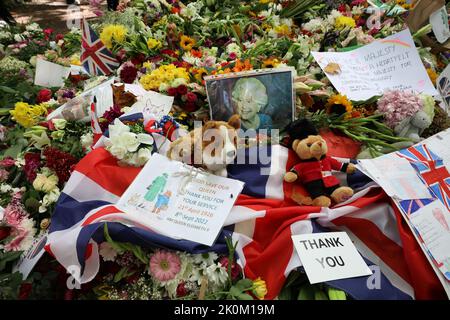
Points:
(211, 147)
(314, 168)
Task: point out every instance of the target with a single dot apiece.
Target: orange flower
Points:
(242, 66)
(196, 53)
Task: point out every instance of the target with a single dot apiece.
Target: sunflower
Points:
(339, 104)
(271, 63)
(200, 73)
(186, 43)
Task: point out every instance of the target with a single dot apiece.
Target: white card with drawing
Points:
(180, 201)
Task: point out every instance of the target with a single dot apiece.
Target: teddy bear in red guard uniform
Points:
(315, 166)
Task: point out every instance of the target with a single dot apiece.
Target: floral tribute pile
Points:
(169, 46)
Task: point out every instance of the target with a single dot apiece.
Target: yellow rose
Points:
(259, 288)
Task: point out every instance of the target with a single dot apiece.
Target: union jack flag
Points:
(431, 170)
(95, 57)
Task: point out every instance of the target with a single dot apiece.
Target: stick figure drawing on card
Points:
(156, 187)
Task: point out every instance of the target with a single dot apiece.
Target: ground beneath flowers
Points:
(57, 15)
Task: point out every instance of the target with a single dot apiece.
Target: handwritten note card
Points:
(179, 201)
(390, 63)
(433, 224)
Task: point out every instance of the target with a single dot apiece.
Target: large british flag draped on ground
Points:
(262, 222)
(95, 57)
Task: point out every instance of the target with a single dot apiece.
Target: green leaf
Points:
(243, 284)
(306, 292)
(319, 294)
(244, 296)
(123, 273)
(335, 294)
(108, 238)
(7, 89)
(6, 257)
(235, 292)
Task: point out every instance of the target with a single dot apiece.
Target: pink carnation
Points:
(164, 265)
(7, 162)
(3, 175)
(397, 105)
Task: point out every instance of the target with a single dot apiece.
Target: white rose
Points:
(145, 138)
(129, 141)
(33, 60)
(143, 156)
(118, 151)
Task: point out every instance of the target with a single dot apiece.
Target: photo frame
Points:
(264, 98)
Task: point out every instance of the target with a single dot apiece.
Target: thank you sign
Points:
(329, 256)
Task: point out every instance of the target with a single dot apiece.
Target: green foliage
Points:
(297, 287)
(10, 285)
(122, 247)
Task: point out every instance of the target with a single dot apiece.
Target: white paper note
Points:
(389, 63)
(49, 74)
(439, 23)
(433, 224)
(329, 256)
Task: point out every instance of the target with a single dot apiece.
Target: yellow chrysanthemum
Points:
(153, 43)
(164, 74)
(343, 22)
(339, 104)
(265, 1)
(113, 33)
(28, 115)
(187, 43)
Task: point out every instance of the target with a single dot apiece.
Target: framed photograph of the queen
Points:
(264, 99)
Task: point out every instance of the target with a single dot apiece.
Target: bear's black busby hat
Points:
(300, 129)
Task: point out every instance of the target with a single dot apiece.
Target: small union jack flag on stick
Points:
(95, 57)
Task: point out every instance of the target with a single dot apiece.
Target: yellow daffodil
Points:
(113, 33)
(259, 288)
(342, 22)
(187, 43)
(153, 43)
(28, 115)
